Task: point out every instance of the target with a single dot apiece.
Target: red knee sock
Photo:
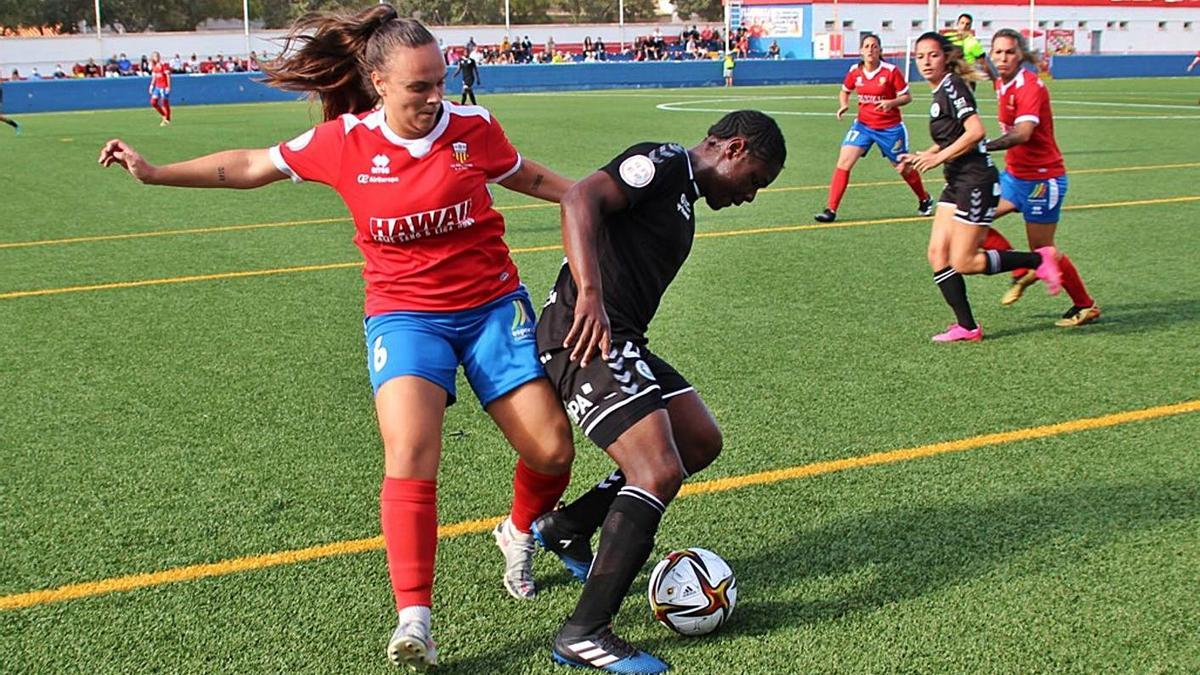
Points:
(913, 178)
(166, 109)
(1073, 283)
(408, 512)
(158, 108)
(534, 494)
(837, 187)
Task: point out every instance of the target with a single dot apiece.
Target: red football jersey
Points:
(882, 84)
(422, 211)
(1025, 99)
(160, 76)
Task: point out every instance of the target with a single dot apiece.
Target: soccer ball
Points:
(692, 591)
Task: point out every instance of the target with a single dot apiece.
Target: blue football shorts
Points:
(159, 92)
(892, 141)
(494, 343)
(1040, 201)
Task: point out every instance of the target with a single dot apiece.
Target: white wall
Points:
(45, 52)
(1141, 32)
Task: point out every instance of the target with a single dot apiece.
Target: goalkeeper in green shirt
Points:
(965, 40)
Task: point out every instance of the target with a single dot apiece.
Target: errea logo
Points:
(381, 172)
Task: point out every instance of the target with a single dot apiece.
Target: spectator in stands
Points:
(124, 66)
(176, 65)
(92, 69)
(549, 46)
(598, 45)
(15, 75)
(59, 73)
(252, 63)
(587, 46)
(471, 46)
(706, 36)
(773, 50)
(527, 49)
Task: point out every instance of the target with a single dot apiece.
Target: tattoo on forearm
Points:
(220, 174)
(1003, 143)
(537, 182)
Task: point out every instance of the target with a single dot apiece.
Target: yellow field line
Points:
(164, 233)
(257, 562)
(536, 249)
(518, 207)
(178, 280)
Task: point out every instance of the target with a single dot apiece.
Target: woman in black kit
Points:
(627, 229)
(968, 203)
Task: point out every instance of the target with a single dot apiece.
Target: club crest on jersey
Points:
(637, 171)
(461, 157)
(935, 109)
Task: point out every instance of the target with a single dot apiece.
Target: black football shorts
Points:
(609, 396)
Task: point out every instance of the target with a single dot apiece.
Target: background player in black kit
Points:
(627, 230)
(968, 203)
(469, 69)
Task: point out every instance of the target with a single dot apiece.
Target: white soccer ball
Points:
(692, 591)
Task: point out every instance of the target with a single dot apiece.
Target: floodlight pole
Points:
(933, 12)
(246, 24)
(621, 22)
(99, 37)
(507, 22)
(1032, 24)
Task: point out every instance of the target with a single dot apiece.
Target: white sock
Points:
(415, 613)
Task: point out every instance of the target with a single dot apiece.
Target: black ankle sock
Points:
(954, 290)
(1007, 261)
(626, 541)
(11, 123)
(586, 514)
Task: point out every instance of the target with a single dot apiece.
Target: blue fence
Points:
(1133, 65)
(55, 95)
(131, 92)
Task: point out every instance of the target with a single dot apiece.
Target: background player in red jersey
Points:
(441, 287)
(160, 88)
(881, 91)
(1034, 181)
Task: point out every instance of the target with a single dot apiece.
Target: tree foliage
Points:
(707, 10)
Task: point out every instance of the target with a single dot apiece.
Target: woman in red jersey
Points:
(1034, 180)
(882, 90)
(441, 288)
(160, 88)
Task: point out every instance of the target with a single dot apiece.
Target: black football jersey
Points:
(953, 102)
(470, 70)
(640, 249)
